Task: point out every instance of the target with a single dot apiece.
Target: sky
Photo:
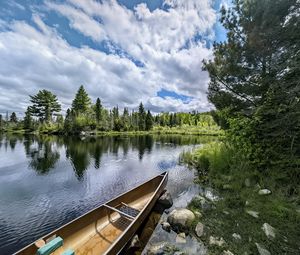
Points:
(122, 51)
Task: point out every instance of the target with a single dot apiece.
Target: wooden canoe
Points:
(106, 229)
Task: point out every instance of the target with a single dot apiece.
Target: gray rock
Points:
(199, 229)
(253, 213)
(218, 241)
(227, 253)
(180, 238)
(165, 200)
(181, 219)
(262, 250)
(179, 253)
(166, 226)
(236, 236)
(263, 192)
(269, 230)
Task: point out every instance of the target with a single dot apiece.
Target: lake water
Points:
(47, 181)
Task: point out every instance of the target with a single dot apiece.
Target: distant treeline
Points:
(44, 115)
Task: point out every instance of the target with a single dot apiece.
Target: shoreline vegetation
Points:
(253, 210)
(44, 116)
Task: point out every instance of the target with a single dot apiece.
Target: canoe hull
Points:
(115, 249)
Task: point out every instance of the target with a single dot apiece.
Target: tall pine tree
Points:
(45, 103)
(98, 110)
(142, 117)
(81, 102)
(149, 121)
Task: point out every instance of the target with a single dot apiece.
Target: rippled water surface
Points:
(47, 181)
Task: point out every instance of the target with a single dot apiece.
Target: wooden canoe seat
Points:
(129, 210)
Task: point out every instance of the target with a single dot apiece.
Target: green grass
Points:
(219, 166)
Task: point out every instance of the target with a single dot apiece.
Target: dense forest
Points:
(44, 115)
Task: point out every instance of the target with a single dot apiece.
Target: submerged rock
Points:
(181, 219)
(180, 238)
(165, 200)
(269, 230)
(218, 241)
(252, 213)
(157, 248)
(262, 250)
(264, 192)
(166, 226)
(199, 229)
(135, 242)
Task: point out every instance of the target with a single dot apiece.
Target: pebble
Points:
(252, 213)
(199, 229)
(216, 241)
(264, 192)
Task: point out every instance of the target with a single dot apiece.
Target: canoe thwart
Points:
(119, 212)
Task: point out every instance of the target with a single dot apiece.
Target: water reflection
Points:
(43, 151)
(46, 181)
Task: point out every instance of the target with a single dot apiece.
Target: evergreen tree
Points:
(68, 121)
(126, 119)
(81, 102)
(98, 110)
(141, 117)
(28, 121)
(1, 121)
(13, 118)
(149, 121)
(254, 78)
(44, 105)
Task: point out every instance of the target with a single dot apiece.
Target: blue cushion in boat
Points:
(68, 252)
(50, 247)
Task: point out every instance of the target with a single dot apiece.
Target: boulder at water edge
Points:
(181, 219)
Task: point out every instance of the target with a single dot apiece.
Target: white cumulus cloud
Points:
(34, 57)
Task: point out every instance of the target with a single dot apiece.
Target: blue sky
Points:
(122, 51)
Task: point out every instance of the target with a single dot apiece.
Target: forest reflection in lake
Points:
(46, 181)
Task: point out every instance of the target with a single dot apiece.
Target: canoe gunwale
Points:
(163, 180)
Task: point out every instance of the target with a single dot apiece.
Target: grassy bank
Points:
(237, 183)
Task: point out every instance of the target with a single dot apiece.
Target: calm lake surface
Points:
(47, 181)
